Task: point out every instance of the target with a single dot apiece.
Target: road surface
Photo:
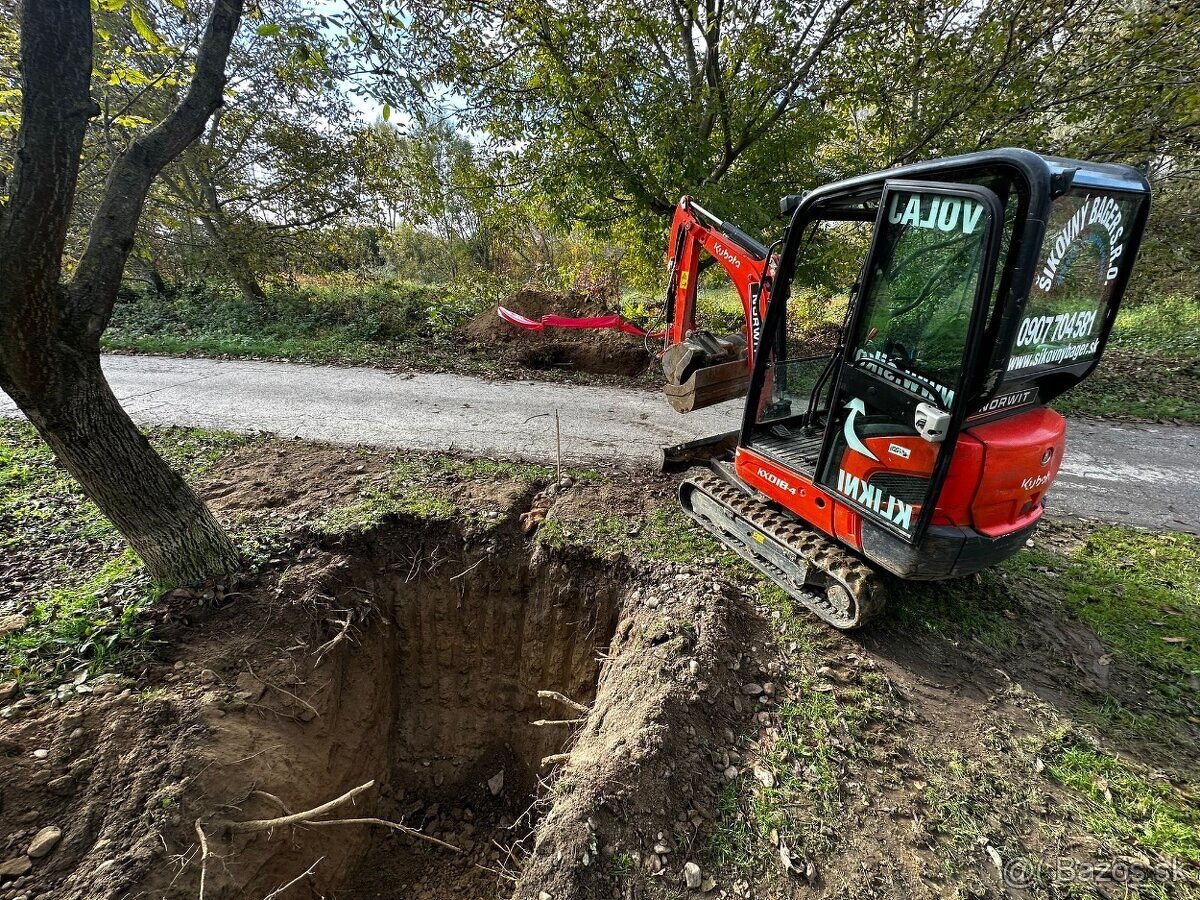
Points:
(1133, 474)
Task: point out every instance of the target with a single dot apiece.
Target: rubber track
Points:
(860, 579)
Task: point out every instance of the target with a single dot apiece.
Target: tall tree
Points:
(279, 160)
(50, 329)
(612, 111)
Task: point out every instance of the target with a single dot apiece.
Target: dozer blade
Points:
(683, 456)
(709, 386)
(838, 587)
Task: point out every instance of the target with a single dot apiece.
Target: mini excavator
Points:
(922, 445)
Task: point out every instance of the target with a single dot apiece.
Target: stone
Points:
(9, 624)
(15, 867)
(63, 786)
(44, 841)
(41, 753)
(207, 676)
(8, 690)
(250, 686)
(691, 876)
(496, 783)
(753, 689)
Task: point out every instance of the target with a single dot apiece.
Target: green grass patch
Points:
(335, 320)
(1168, 326)
(85, 588)
(666, 535)
(93, 622)
(1122, 806)
(1149, 369)
(1140, 592)
(968, 607)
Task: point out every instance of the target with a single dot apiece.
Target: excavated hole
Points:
(447, 699)
(606, 355)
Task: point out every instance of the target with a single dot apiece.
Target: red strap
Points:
(554, 321)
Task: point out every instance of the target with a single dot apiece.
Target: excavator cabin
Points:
(923, 443)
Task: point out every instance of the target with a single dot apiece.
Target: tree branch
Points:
(110, 238)
(56, 68)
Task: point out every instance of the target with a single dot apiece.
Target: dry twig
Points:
(325, 648)
(564, 700)
(309, 817)
(279, 890)
(203, 856)
(304, 817)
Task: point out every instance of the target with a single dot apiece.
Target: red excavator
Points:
(922, 444)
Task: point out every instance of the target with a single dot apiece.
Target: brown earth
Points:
(411, 656)
(597, 352)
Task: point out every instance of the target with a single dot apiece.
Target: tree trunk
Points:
(50, 332)
(75, 411)
(236, 264)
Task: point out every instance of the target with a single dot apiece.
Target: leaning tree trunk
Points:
(50, 331)
(75, 411)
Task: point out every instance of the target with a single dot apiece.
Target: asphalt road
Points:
(1133, 474)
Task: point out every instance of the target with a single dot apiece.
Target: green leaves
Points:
(143, 27)
(268, 30)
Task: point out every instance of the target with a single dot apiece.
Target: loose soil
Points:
(596, 352)
(719, 725)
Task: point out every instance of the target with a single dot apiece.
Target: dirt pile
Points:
(598, 352)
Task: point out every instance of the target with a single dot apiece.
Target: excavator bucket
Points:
(709, 386)
(704, 370)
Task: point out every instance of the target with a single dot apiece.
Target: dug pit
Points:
(432, 692)
(425, 710)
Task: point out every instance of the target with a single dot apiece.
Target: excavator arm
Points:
(703, 368)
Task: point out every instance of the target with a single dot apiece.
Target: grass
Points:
(1149, 369)
(425, 486)
(332, 321)
(85, 588)
(94, 622)
(1140, 592)
(666, 535)
(1123, 806)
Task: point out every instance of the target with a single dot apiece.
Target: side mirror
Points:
(788, 204)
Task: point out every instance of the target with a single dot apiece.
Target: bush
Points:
(1165, 326)
(343, 307)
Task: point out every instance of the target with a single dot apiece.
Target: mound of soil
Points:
(597, 352)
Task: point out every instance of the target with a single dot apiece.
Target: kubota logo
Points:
(775, 480)
(1035, 481)
(721, 251)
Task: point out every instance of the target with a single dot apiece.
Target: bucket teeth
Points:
(840, 588)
